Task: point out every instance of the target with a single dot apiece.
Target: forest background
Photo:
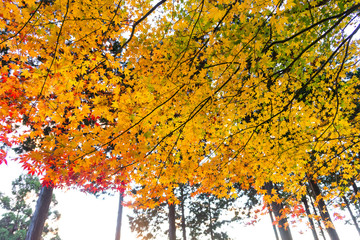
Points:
(92, 218)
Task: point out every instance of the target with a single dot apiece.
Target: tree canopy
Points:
(162, 93)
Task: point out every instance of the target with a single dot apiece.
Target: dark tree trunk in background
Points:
(40, 215)
(183, 223)
(324, 213)
(356, 190)
(172, 227)
(355, 200)
(210, 220)
(308, 213)
(319, 223)
(272, 222)
(284, 231)
(119, 217)
(351, 214)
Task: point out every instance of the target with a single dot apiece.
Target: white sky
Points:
(84, 216)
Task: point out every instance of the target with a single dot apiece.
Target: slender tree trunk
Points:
(356, 190)
(210, 220)
(40, 215)
(119, 217)
(351, 214)
(272, 222)
(183, 223)
(172, 227)
(318, 222)
(324, 213)
(308, 213)
(283, 226)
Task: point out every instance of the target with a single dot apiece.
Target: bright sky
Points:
(85, 217)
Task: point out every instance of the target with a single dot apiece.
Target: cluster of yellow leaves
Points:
(163, 93)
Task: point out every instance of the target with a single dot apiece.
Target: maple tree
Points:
(172, 92)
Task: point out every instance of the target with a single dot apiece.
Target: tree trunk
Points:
(119, 217)
(40, 215)
(272, 222)
(351, 214)
(210, 220)
(324, 213)
(283, 225)
(308, 213)
(183, 223)
(356, 190)
(172, 227)
(355, 187)
(319, 223)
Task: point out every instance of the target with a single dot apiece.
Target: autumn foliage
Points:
(157, 94)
